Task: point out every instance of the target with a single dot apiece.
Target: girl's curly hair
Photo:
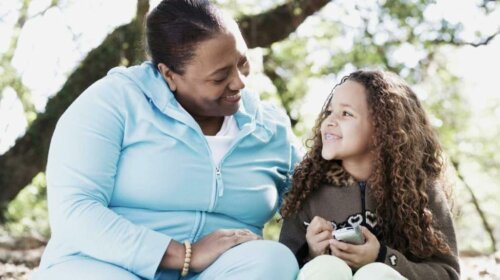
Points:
(407, 161)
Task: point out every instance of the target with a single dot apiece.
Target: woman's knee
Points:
(377, 271)
(260, 259)
(325, 267)
(273, 256)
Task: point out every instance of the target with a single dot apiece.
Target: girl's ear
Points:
(168, 75)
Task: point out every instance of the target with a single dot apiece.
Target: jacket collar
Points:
(337, 176)
(147, 77)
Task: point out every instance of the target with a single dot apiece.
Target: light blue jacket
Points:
(128, 171)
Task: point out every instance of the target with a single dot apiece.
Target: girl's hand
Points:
(357, 256)
(210, 247)
(319, 232)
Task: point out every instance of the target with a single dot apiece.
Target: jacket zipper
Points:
(219, 184)
(362, 187)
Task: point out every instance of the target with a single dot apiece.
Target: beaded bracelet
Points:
(187, 259)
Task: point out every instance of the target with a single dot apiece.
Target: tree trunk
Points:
(122, 47)
(29, 155)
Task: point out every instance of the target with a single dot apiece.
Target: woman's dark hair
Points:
(175, 27)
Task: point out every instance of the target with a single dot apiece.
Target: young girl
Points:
(375, 162)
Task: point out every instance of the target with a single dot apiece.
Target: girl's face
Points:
(347, 130)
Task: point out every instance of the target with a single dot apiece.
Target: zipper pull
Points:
(220, 185)
(362, 186)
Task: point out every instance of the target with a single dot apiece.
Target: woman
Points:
(160, 170)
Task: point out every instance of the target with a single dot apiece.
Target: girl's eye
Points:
(347, 114)
(328, 112)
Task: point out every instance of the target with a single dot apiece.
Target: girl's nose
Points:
(333, 123)
(332, 120)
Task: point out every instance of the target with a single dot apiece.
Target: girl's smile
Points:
(331, 137)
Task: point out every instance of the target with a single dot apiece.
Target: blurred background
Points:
(449, 51)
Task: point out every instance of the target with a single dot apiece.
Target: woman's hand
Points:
(319, 232)
(357, 255)
(210, 247)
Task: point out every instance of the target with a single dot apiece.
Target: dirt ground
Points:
(21, 263)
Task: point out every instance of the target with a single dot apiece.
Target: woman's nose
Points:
(238, 81)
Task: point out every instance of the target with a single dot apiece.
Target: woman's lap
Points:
(261, 259)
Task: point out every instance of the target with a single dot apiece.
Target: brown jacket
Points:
(344, 207)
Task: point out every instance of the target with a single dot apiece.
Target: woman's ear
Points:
(168, 75)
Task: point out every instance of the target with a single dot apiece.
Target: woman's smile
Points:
(234, 98)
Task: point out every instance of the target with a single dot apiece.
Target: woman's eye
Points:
(243, 60)
(328, 112)
(219, 81)
(244, 68)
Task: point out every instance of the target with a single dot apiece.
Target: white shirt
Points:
(221, 142)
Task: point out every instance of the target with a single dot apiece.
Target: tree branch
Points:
(457, 42)
(21, 21)
(475, 202)
(53, 4)
(14, 79)
(275, 25)
(142, 10)
(485, 41)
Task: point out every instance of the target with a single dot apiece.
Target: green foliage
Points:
(239, 8)
(384, 35)
(346, 35)
(27, 214)
(405, 9)
(273, 227)
(448, 111)
(285, 65)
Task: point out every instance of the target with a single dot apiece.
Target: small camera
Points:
(351, 235)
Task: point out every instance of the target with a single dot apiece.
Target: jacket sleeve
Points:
(294, 150)
(82, 164)
(293, 235)
(437, 266)
(296, 154)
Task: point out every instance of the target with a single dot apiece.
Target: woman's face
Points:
(347, 130)
(211, 83)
